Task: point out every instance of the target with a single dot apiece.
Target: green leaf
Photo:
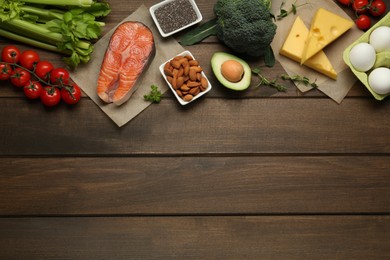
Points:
(269, 57)
(68, 16)
(54, 25)
(99, 9)
(154, 95)
(199, 33)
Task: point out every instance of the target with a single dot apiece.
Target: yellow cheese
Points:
(325, 28)
(293, 48)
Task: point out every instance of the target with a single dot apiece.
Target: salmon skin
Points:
(129, 53)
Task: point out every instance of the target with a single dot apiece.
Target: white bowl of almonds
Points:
(185, 77)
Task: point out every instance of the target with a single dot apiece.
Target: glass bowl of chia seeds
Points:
(172, 16)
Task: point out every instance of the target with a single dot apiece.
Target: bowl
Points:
(172, 16)
(179, 98)
(363, 76)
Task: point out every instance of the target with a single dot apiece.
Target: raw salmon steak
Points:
(129, 53)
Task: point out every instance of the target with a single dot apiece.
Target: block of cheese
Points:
(325, 28)
(293, 48)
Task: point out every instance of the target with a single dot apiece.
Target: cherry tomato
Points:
(10, 54)
(5, 71)
(32, 89)
(344, 2)
(71, 95)
(377, 8)
(43, 69)
(50, 96)
(20, 77)
(59, 76)
(28, 59)
(360, 6)
(363, 22)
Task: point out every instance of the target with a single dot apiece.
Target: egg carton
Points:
(363, 76)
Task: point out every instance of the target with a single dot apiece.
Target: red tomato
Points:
(10, 54)
(28, 59)
(20, 77)
(43, 69)
(360, 6)
(59, 76)
(71, 95)
(363, 22)
(33, 89)
(50, 96)
(344, 2)
(377, 8)
(5, 71)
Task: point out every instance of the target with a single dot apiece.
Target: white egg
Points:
(362, 56)
(379, 80)
(380, 38)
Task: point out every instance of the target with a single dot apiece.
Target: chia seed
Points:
(175, 15)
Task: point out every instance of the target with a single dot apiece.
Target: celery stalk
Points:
(48, 14)
(29, 41)
(70, 29)
(80, 3)
(38, 32)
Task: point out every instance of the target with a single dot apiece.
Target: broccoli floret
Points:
(245, 26)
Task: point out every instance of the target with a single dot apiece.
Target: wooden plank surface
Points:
(267, 237)
(195, 185)
(258, 174)
(212, 126)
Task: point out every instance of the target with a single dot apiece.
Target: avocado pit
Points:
(232, 70)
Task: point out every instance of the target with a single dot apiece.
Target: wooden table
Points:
(251, 175)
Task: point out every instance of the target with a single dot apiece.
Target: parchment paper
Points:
(335, 89)
(86, 75)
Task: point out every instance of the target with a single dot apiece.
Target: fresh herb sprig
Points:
(293, 9)
(154, 95)
(300, 80)
(267, 82)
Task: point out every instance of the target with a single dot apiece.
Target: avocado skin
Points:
(216, 62)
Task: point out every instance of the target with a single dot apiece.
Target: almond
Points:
(193, 63)
(192, 84)
(174, 83)
(187, 69)
(175, 72)
(168, 72)
(188, 57)
(192, 74)
(183, 60)
(194, 91)
(181, 72)
(188, 97)
(175, 63)
(169, 78)
(204, 82)
(196, 68)
(198, 76)
(179, 82)
(184, 88)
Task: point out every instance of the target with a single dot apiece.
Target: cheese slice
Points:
(293, 48)
(325, 28)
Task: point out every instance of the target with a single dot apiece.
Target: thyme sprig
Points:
(267, 82)
(293, 9)
(300, 80)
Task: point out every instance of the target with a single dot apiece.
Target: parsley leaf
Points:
(154, 95)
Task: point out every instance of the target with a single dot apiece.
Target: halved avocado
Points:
(218, 59)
